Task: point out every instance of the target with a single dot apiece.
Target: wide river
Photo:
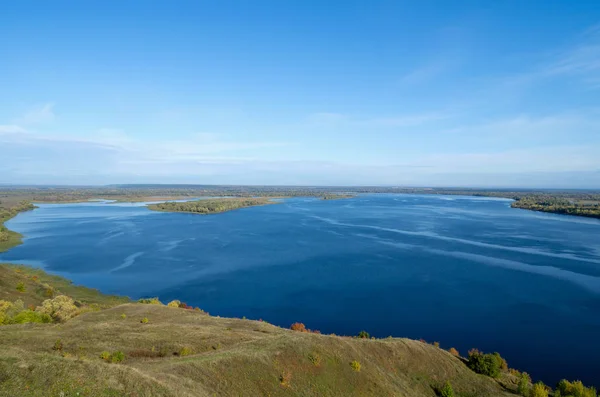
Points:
(464, 271)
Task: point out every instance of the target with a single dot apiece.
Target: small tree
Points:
(21, 286)
(364, 335)
(447, 390)
(539, 390)
(485, 364)
(60, 308)
(524, 381)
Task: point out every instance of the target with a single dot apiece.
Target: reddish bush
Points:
(298, 327)
(454, 352)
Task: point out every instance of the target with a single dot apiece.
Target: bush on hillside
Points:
(21, 286)
(539, 390)
(524, 382)
(30, 316)
(364, 335)
(446, 391)
(60, 308)
(174, 303)
(185, 351)
(144, 320)
(454, 352)
(485, 364)
(117, 357)
(502, 361)
(9, 311)
(355, 366)
(573, 389)
(150, 301)
(298, 327)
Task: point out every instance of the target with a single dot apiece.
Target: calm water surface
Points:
(467, 272)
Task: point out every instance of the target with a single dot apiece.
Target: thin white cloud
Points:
(427, 72)
(403, 120)
(38, 115)
(12, 129)
(565, 126)
(327, 118)
(407, 120)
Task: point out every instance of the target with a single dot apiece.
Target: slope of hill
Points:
(185, 353)
(172, 351)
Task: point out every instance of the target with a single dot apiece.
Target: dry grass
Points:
(254, 359)
(183, 352)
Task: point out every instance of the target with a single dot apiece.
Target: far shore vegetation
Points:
(210, 206)
(334, 196)
(18, 198)
(9, 238)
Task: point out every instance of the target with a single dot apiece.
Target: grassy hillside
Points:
(180, 352)
(227, 357)
(114, 347)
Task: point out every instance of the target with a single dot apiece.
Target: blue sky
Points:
(426, 93)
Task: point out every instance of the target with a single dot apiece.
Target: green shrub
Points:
(539, 390)
(355, 366)
(574, 389)
(60, 308)
(21, 286)
(150, 301)
(485, 364)
(123, 316)
(117, 357)
(29, 316)
(446, 391)
(364, 335)
(185, 351)
(524, 382)
(174, 303)
(8, 310)
(144, 320)
(502, 362)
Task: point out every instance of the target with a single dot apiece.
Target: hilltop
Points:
(173, 351)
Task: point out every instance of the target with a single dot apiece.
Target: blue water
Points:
(467, 272)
